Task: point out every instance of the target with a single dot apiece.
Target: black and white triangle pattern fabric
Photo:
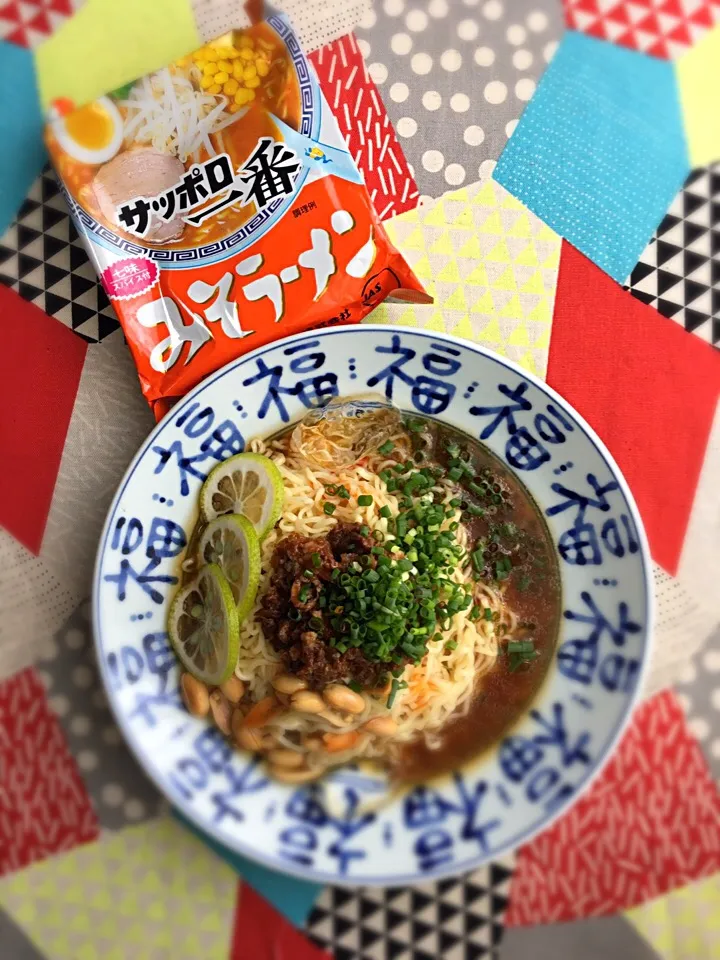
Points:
(43, 259)
(456, 919)
(679, 271)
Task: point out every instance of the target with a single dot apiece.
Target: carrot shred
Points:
(261, 713)
(337, 742)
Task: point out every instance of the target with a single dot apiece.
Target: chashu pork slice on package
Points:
(222, 209)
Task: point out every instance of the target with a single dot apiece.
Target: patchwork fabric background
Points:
(552, 172)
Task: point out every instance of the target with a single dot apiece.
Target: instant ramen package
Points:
(222, 209)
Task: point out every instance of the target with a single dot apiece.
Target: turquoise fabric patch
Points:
(599, 152)
(293, 898)
(23, 156)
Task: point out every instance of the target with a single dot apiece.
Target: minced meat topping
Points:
(291, 618)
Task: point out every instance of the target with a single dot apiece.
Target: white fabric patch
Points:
(316, 22)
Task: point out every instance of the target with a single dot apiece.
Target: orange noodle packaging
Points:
(222, 209)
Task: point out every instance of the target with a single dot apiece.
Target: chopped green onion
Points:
(365, 500)
(387, 448)
(329, 508)
(385, 511)
(343, 493)
(396, 686)
(488, 614)
(315, 560)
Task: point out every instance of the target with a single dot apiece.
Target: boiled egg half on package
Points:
(91, 134)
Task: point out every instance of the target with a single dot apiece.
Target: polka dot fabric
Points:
(699, 693)
(600, 152)
(120, 792)
(455, 77)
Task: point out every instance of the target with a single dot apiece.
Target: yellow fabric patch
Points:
(152, 891)
(685, 924)
(698, 73)
(491, 266)
(108, 43)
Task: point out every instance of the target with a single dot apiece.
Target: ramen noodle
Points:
(222, 209)
(406, 602)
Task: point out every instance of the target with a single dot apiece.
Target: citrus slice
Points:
(248, 484)
(230, 541)
(204, 628)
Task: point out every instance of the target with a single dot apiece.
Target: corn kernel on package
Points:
(222, 209)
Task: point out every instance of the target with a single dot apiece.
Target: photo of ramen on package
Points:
(222, 209)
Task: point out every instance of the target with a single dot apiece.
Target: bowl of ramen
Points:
(372, 605)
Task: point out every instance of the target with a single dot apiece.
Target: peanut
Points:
(305, 701)
(195, 695)
(287, 683)
(287, 759)
(302, 775)
(233, 689)
(249, 738)
(342, 698)
(381, 726)
(222, 710)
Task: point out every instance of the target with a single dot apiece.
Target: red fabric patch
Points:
(29, 22)
(645, 385)
(261, 933)
(44, 807)
(358, 107)
(40, 366)
(661, 28)
(651, 823)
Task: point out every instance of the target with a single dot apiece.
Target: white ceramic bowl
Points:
(503, 799)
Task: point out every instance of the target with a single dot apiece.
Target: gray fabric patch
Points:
(698, 689)
(455, 77)
(598, 939)
(120, 792)
(14, 945)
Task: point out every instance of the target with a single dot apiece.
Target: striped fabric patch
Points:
(358, 107)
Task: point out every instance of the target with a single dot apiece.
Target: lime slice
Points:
(230, 541)
(248, 484)
(204, 628)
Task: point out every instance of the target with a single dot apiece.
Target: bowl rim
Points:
(455, 869)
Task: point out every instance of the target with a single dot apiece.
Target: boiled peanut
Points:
(381, 726)
(287, 759)
(195, 695)
(342, 698)
(305, 701)
(233, 689)
(249, 738)
(222, 710)
(287, 683)
(314, 741)
(302, 775)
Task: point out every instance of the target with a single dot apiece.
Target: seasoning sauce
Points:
(532, 591)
